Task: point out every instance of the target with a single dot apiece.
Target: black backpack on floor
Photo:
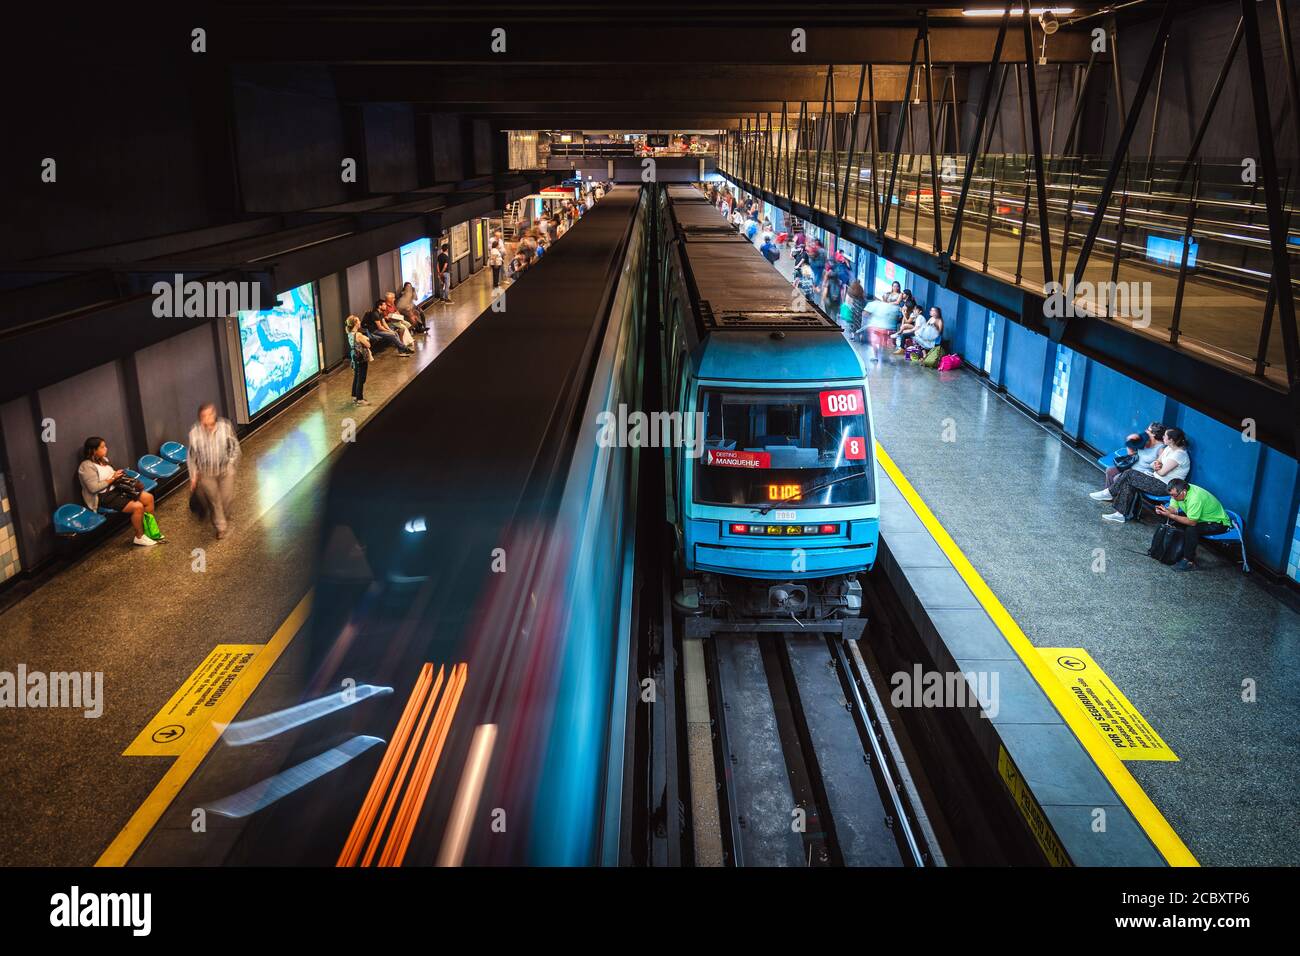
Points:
(1167, 543)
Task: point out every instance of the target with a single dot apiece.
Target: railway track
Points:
(806, 769)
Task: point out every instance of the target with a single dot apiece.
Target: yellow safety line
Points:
(148, 814)
(1157, 828)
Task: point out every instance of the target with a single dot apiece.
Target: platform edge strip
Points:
(1158, 830)
(147, 815)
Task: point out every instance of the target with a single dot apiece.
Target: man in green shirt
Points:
(1200, 514)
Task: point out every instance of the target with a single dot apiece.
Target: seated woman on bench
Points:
(103, 486)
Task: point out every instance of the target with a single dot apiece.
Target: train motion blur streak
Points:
(779, 514)
(475, 527)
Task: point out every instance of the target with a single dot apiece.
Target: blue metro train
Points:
(775, 511)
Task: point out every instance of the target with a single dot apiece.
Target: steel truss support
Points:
(981, 117)
(903, 111)
(1126, 135)
(1277, 215)
(1040, 182)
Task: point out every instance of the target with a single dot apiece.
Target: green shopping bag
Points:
(151, 527)
(932, 357)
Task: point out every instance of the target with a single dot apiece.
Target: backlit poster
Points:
(279, 347)
(886, 275)
(417, 267)
(459, 241)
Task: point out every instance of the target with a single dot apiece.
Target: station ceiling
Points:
(635, 66)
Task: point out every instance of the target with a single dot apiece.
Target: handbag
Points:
(151, 529)
(932, 357)
(129, 485)
(1123, 460)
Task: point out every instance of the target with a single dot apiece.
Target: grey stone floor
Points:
(1013, 496)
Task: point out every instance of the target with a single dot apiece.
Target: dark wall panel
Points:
(127, 162)
(390, 272)
(176, 376)
(333, 311)
(290, 140)
(446, 148)
(390, 147)
(30, 495)
(360, 291)
(92, 403)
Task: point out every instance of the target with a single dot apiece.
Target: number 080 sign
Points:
(843, 401)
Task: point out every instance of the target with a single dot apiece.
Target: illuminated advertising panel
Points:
(278, 347)
(417, 267)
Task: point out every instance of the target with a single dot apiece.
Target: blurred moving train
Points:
(776, 513)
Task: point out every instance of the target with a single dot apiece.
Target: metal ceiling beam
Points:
(268, 34)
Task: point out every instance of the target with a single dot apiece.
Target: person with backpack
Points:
(771, 252)
(360, 354)
(1172, 462)
(1197, 513)
(832, 291)
(855, 300)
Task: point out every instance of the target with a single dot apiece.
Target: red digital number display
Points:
(843, 401)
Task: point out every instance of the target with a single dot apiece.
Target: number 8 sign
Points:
(844, 401)
(855, 448)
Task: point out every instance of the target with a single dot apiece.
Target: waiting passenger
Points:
(855, 300)
(1144, 448)
(805, 281)
(517, 265)
(496, 259)
(924, 332)
(103, 486)
(832, 290)
(770, 250)
(395, 322)
(442, 279)
(409, 309)
(360, 355)
(1198, 512)
(895, 293)
(376, 328)
(1172, 462)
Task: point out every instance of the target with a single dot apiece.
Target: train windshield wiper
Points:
(815, 488)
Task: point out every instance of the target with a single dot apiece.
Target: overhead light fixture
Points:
(1015, 11)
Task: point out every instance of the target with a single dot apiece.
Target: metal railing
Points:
(1182, 251)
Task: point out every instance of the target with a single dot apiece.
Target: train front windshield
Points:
(808, 449)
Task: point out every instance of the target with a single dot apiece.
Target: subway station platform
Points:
(1178, 646)
(1184, 649)
(146, 618)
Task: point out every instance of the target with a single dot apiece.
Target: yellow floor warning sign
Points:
(192, 706)
(1118, 721)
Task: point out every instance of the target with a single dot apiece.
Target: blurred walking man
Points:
(211, 457)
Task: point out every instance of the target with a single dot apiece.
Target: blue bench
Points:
(148, 483)
(173, 451)
(1106, 461)
(156, 467)
(1236, 533)
(72, 520)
